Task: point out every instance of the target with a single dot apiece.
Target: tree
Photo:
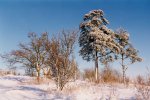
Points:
(96, 40)
(127, 52)
(61, 60)
(37, 46)
(31, 55)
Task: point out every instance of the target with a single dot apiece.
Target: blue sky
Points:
(19, 17)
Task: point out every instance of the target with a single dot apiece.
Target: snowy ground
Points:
(22, 88)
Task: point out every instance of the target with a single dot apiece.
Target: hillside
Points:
(24, 88)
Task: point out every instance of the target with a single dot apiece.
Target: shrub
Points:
(110, 75)
(89, 74)
(140, 80)
(142, 88)
(143, 92)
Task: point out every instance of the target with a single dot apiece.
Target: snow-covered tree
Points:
(127, 52)
(96, 40)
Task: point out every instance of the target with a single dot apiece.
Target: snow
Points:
(24, 88)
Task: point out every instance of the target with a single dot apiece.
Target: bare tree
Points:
(31, 55)
(60, 59)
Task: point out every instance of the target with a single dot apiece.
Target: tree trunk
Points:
(75, 72)
(38, 76)
(58, 82)
(45, 72)
(123, 69)
(38, 72)
(96, 67)
(75, 75)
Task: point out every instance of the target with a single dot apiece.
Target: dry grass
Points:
(109, 75)
(89, 74)
(143, 88)
(143, 92)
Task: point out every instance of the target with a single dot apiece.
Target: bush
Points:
(89, 74)
(140, 80)
(142, 86)
(143, 92)
(110, 75)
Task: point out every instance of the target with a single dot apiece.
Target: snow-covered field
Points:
(22, 88)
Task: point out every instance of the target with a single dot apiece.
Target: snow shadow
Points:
(30, 89)
(20, 79)
(43, 94)
(132, 98)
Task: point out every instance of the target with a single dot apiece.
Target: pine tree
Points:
(96, 40)
(127, 52)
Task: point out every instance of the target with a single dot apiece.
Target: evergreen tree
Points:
(96, 40)
(127, 52)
